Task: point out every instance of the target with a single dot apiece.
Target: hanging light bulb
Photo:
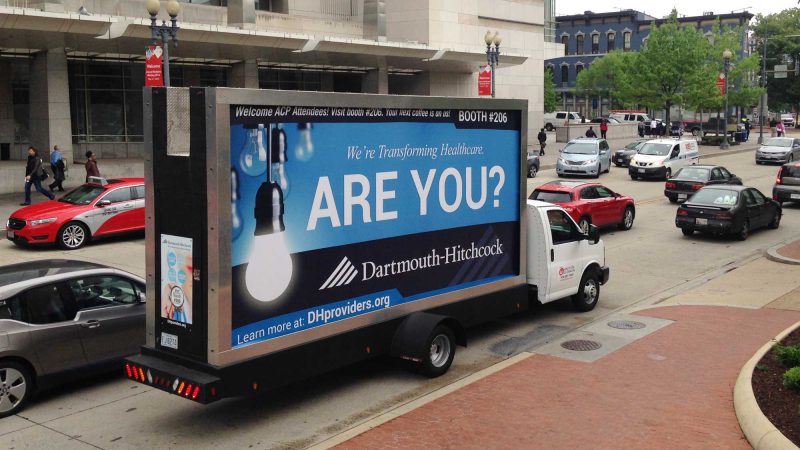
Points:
(236, 220)
(253, 156)
(269, 270)
(304, 150)
(279, 157)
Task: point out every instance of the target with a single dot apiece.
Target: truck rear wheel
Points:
(588, 292)
(442, 349)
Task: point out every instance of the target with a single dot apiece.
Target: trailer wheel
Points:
(442, 349)
(588, 292)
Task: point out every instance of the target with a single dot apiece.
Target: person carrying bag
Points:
(34, 174)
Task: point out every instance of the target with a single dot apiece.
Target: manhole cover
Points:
(581, 345)
(626, 324)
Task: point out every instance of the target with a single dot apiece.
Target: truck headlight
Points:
(42, 221)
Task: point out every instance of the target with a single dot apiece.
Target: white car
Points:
(788, 120)
(660, 158)
(631, 117)
(558, 118)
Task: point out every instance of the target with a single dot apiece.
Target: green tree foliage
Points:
(784, 93)
(550, 97)
(608, 77)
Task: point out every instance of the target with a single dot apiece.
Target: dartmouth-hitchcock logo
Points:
(343, 275)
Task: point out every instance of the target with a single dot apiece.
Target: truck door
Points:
(564, 262)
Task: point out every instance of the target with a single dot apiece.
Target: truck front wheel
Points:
(442, 349)
(588, 292)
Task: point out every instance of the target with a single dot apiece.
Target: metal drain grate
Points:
(626, 324)
(581, 345)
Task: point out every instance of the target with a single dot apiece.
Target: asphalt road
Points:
(649, 263)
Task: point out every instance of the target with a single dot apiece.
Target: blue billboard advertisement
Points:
(342, 212)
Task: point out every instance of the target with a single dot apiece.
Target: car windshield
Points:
(778, 142)
(717, 197)
(551, 196)
(651, 148)
(581, 148)
(634, 145)
(82, 195)
(693, 174)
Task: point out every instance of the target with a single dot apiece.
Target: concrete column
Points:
(376, 81)
(6, 106)
(244, 74)
(242, 13)
(375, 20)
(50, 122)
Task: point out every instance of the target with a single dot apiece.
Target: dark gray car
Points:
(787, 184)
(62, 319)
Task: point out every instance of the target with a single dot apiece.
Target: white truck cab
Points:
(660, 158)
(562, 261)
(556, 119)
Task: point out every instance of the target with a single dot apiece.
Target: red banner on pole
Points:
(153, 63)
(721, 83)
(485, 80)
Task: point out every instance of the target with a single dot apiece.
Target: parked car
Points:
(62, 319)
(622, 158)
(556, 119)
(660, 158)
(787, 119)
(732, 210)
(676, 128)
(584, 156)
(787, 184)
(533, 165)
(97, 209)
(589, 203)
(689, 179)
(778, 149)
(630, 117)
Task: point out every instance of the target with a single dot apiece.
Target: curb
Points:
(759, 431)
(773, 255)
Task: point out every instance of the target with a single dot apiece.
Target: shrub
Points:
(788, 356)
(791, 379)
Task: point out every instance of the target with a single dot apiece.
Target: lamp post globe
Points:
(488, 38)
(153, 7)
(497, 39)
(173, 8)
(727, 55)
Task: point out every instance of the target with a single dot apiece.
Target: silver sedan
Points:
(778, 150)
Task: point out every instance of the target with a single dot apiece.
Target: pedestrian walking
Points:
(640, 128)
(653, 127)
(780, 128)
(542, 136)
(34, 174)
(747, 127)
(57, 166)
(603, 128)
(91, 165)
(590, 133)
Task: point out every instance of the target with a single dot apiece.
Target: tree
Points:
(607, 77)
(782, 48)
(550, 98)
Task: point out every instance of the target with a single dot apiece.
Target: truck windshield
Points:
(651, 148)
(779, 142)
(551, 196)
(82, 195)
(581, 148)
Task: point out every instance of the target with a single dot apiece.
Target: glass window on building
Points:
(595, 44)
(564, 74)
(565, 41)
(611, 42)
(578, 69)
(579, 44)
(290, 79)
(626, 40)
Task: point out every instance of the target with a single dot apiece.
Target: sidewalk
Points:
(668, 384)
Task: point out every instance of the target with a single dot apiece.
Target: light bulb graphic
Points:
(279, 157)
(304, 150)
(253, 156)
(236, 220)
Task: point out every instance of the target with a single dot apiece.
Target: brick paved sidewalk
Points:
(791, 250)
(670, 389)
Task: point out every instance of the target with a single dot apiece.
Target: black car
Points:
(688, 180)
(533, 165)
(622, 158)
(733, 210)
(787, 184)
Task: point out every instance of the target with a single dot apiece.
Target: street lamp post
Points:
(164, 31)
(726, 55)
(764, 84)
(492, 52)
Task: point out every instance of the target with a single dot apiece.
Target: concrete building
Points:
(72, 71)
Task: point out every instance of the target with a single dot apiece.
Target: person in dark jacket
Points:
(590, 133)
(33, 176)
(542, 141)
(57, 166)
(91, 165)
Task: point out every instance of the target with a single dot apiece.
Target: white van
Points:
(660, 158)
(557, 119)
(631, 117)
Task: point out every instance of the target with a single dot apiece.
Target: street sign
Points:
(721, 83)
(485, 80)
(153, 75)
(781, 70)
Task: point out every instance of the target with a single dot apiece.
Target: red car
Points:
(589, 203)
(96, 209)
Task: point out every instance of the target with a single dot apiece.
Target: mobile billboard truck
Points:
(289, 234)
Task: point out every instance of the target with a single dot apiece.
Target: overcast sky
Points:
(684, 7)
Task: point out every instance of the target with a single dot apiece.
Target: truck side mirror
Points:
(594, 234)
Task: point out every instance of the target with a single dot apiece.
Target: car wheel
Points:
(687, 231)
(758, 163)
(791, 158)
(532, 170)
(634, 177)
(16, 387)
(588, 292)
(627, 218)
(548, 127)
(744, 232)
(673, 199)
(618, 164)
(667, 174)
(583, 224)
(776, 220)
(442, 345)
(72, 236)
(599, 170)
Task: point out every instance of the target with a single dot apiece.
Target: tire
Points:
(588, 292)
(634, 177)
(442, 345)
(687, 231)
(73, 236)
(790, 159)
(744, 232)
(667, 174)
(599, 170)
(627, 222)
(532, 171)
(584, 223)
(16, 387)
(548, 127)
(758, 163)
(618, 164)
(776, 220)
(673, 199)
